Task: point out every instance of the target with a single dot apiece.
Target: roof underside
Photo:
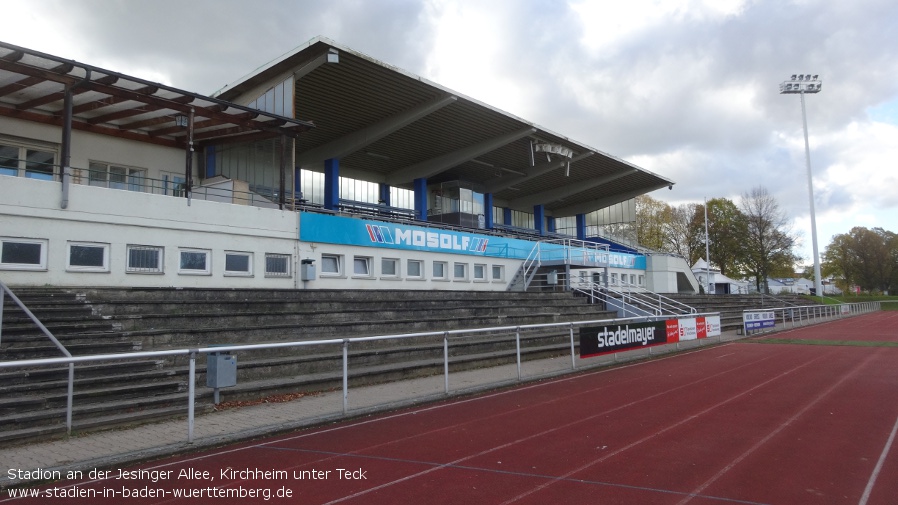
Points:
(395, 127)
(33, 85)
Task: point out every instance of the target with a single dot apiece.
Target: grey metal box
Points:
(221, 370)
(307, 271)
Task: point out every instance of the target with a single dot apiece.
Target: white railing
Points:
(634, 300)
(761, 320)
(344, 343)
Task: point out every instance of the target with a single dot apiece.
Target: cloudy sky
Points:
(686, 89)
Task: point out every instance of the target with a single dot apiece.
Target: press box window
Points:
(414, 269)
(88, 257)
(330, 264)
(238, 264)
(23, 254)
(389, 267)
(277, 265)
(194, 262)
(439, 269)
(144, 259)
(361, 266)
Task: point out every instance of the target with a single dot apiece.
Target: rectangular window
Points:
(238, 264)
(361, 266)
(479, 272)
(439, 269)
(614, 279)
(117, 177)
(194, 262)
(23, 254)
(414, 269)
(277, 265)
(498, 272)
(88, 257)
(144, 259)
(22, 160)
(460, 271)
(389, 267)
(642, 280)
(330, 264)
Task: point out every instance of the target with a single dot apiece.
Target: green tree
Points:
(864, 257)
(651, 216)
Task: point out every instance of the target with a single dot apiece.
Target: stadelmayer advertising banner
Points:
(597, 340)
(325, 228)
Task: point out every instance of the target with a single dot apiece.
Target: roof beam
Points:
(348, 144)
(434, 166)
(59, 95)
(568, 190)
(502, 183)
(32, 79)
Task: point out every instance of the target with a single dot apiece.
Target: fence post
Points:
(517, 339)
(446, 360)
(345, 375)
(573, 356)
(191, 387)
(2, 300)
(70, 399)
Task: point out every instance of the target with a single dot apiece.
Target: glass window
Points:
(277, 265)
(414, 268)
(116, 177)
(194, 261)
(330, 264)
(238, 263)
(23, 254)
(614, 279)
(389, 267)
(361, 266)
(460, 271)
(9, 160)
(144, 259)
(479, 272)
(88, 257)
(27, 161)
(439, 269)
(39, 164)
(498, 272)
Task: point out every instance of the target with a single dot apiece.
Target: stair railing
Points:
(4, 291)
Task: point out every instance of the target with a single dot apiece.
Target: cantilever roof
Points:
(395, 127)
(32, 87)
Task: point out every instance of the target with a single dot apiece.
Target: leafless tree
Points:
(769, 239)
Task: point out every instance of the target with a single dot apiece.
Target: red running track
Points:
(741, 423)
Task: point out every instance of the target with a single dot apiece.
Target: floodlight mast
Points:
(801, 84)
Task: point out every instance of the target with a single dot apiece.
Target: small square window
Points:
(194, 262)
(238, 264)
(498, 272)
(144, 259)
(361, 266)
(460, 271)
(277, 265)
(23, 254)
(88, 257)
(413, 269)
(439, 269)
(479, 272)
(389, 267)
(330, 264)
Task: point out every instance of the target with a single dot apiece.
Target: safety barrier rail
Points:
(5, 291)
(761, 320)
(344, 343)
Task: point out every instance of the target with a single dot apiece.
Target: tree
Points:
(864, 257)
(727, 228)
(768, 240)
(680, 237)
(651, 216)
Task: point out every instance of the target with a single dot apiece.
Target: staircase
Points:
(104, 321)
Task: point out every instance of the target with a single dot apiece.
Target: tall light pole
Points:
(801, 84)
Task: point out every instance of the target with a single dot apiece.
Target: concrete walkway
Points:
(123, 447)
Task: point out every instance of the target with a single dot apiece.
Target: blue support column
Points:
(331, 184)
(488, 210)
(539, 219)
(297, 182)
(421, 199)
(506, 216)
(550, 224)
(581, 226)
(384, 194)
(210, 162)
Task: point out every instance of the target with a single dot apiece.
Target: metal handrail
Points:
(643, 299)
(4, 290)
(192, 353)
(804, 314)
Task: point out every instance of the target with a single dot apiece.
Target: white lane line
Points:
(878, 467)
